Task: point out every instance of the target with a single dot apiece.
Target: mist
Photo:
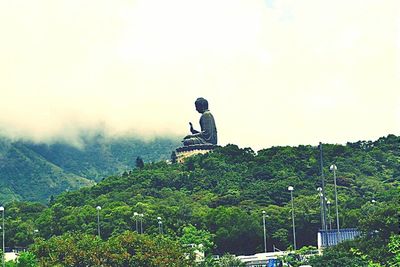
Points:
(274, 72)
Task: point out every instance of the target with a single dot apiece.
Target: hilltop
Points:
(224, 192)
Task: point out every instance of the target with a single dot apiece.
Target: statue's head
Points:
(201, 104)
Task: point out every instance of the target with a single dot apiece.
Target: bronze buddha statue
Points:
(208, 133)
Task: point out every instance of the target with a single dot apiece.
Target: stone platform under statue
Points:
(187, 151)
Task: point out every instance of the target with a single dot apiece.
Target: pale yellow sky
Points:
(276, 72)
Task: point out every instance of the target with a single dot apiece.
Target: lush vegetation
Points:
(217, 199)
(35, 171)
(126, 249)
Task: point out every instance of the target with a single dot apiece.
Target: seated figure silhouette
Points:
(208, 133)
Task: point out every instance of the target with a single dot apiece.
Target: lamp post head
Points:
(290, 188)
(373, 201)
(98, 208)
(159, 222)
(1, 208)
(319, 189)
(263, 212)
(159, 218)
(135, 214)
(328, 202)
(141, 214)
(333, 167)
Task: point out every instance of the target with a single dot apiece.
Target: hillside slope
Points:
(34, 172)
(225, 191)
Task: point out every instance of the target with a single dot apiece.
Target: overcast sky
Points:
(275, 72)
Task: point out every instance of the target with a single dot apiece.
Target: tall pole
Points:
(159, 225)
(290, 188)
(329, 214)
(334, 168)
(4, 247)
(141, 223)
(265, 232)
(321, 196)
(98, 208)
(135, 215)
(324, 225)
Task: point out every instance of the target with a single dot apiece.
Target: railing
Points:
(327, 238)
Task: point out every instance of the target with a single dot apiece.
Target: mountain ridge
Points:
(35, 171)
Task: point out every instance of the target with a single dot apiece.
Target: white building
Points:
(268, 259)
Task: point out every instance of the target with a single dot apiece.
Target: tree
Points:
(394, 248)
(51, 201)
(139, 163)
(299, 257)
(340, 255)
(201, 238)
(26, 259)
(229, 260)
(235, 230)
(173, 157)
(126, 249)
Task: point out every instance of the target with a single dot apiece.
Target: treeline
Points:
(222, 195)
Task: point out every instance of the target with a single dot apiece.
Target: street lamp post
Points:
(321, 196)
(98, 208)
(329, 214)
(35, 233)
(324, 224)
(265, 232)
(4, 247)
(334, 168)
(290, 188)
(160, 230)
(160, 227)
(141, 222)
(135, 215)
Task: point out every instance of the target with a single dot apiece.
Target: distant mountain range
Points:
(36, 171)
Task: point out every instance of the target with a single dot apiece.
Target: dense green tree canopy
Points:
(222, 195)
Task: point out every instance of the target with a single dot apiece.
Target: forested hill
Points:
(34, 172)
(225, 191)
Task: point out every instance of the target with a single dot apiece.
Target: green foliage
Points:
(341, 255)
(201, 238)
(26, 259)
(174, 158)
(228, 260)
(126, 249)
(350, 254)
(222, 195)
(394, 248)
(300, 257)
(379, 221)
(235, 230)
(34, 172)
